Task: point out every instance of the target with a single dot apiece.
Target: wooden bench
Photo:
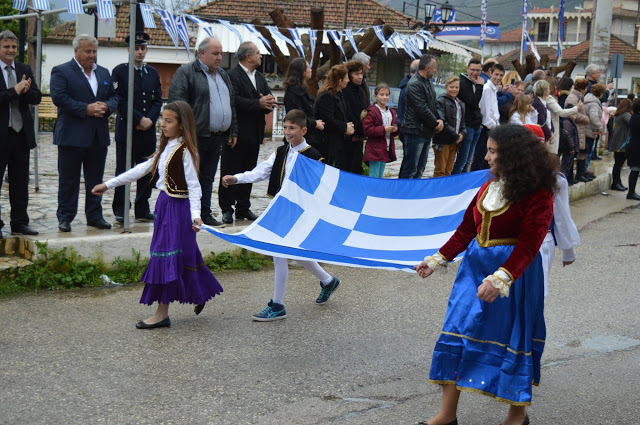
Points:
(48, 114)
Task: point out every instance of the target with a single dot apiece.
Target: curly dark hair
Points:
(523, 162)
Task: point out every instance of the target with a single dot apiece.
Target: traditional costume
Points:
(176, 270)
(495, 348)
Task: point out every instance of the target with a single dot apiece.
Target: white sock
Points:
(281, 276)
(315, 269)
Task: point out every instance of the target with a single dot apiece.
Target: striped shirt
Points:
(219, 102)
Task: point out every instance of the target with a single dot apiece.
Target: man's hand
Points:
(460, 139)
(229, 180)
(440, 126)
(479, 80)
(144, 124)
(23, 86)
(232, 142)
(350, 129)
(320, 124)
(95, 110)
(267, 102)
(487, 292)
(423, 269)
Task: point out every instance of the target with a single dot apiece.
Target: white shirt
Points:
(251, 75)
(263, 170)
(144, 168)
(93, 80)
(5, 74)
(489, 105)
(387, 118)
(530, 118)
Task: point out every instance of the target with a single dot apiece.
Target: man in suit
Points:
(83, 93)
(253, 101)
(207, 88)
(147, 103)
(421, 119)
(18, 90)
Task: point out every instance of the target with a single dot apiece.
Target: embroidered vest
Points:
(277, 171)
(175, 184)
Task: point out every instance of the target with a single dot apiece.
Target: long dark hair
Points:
(295, 74)
(625, 105)
(336, 74)
(523, 162)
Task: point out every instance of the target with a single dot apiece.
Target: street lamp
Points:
(429, 10)
(446, 11)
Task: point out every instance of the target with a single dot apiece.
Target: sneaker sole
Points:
(332, 292)
(269, 319)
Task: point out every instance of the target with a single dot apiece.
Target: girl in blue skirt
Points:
(176, 270)
(494, 331)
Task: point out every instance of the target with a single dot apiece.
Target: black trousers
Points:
(71, 160)
(481, 151)
(139, 153)
(15, 157)
(243, 157)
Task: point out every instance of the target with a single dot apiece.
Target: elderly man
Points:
(421, 119)
(84, 95)
(253, 101)
(207, 88)
(592, 73)
(147, 103)
(18, 90)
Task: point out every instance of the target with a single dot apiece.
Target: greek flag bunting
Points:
(524, 25)
(407, 46)
(295, 35)
(41, 4)
(169, 25)
(252, 29)
(349, 34)
(331, 216)
(313, 40)
(105, 9)
(392, 42)
(333, 34)
(20, 4)
(208, 31)
(276, 33)
(377, 29)
(197, 20)
(183, 31)
(426, 36)
(147, 16)
(75, 6)
(231, 28)
(560, 29)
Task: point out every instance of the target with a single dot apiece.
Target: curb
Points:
(579, 191)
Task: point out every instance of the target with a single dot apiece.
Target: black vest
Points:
(277, 171)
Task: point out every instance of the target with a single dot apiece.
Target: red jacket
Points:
(376, 147)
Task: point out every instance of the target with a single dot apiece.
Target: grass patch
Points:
(237, 260)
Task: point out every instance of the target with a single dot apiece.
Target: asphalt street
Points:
(75, 357)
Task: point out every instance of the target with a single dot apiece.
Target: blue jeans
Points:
(376, 168)
(465, 150)
(415, 159)
(589, 144)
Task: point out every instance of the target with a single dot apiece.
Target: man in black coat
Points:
(253, 100)
(147, 103)
(18, 90)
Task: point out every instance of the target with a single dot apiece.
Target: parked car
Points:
(395, 95)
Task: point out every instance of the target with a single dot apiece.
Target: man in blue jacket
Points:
(147, 103)
(83, 93)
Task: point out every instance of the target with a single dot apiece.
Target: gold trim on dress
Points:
(493, 342)
(482, 238)
(180, 193)
(508, 273)
(475, 390)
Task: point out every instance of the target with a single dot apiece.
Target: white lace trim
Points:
(436, 261)
(500, 280)
(494, 200)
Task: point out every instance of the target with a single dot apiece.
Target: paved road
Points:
(74, 357)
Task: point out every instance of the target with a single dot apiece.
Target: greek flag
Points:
(147, 16)
(20, 4)
(333, 34)
(169, 25)
(524, 25)
(231, 28)
(560, 30)
(349, 34)
(295, 35)
(378, 30)
(392, 42)
(75, 7)
(41, 4)
(197, 20)
(276, 33)
(183, 31)
(534, 49)
(252, 29)
(331, 216)
(105, 9)
(406, 46)
(313, 39)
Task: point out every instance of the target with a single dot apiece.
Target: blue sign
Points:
(467, 32)
(437, 16)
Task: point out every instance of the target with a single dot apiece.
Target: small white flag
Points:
(105, 9)
(147, 16)
(20, 4)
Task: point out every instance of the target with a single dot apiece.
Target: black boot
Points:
(633, 179)
(571, 178)
(580, 172)
(616, 183)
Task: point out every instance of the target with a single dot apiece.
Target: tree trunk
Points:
(530, 66)
(281, 60)
(317, 23)
(567, 68)
(519, 69)
(281, 21)
(544, 61)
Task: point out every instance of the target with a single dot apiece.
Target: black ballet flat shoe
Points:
(198, 308)
(166, 323)
(453, 422)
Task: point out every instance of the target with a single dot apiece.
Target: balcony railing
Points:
(553, 37)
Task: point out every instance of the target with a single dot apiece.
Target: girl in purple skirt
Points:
(176, 270)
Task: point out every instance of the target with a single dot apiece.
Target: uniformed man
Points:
(147, 103)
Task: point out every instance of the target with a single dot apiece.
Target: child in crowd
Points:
(276, 168)
(380, 126)
(445, 143)
(176, 270)
(522, 112)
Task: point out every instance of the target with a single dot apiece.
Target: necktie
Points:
(16, 118)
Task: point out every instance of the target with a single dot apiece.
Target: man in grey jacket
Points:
(207, 88)
(421, 119)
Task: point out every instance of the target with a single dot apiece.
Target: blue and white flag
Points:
(41, 4)
(252, 29)
(349, 34)
(412, 44)
(169, 25)
(560, 30)
(183, 31)
(231, 28)
(377, 29)
(534, 49)
(313, 39)
(332, 216)
(407, 46)
(295, 35)
(524, 25)
(75, 7)
(392, 42)
(276, 33)
(483, 24)
(333, 34)
(147, 16)
(105, 9)
(427, 37)
(197, 20)
(20, 4)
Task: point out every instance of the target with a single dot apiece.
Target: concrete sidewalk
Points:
(109, 244)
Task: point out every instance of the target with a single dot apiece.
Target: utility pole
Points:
(601, 35)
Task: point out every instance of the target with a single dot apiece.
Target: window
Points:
(543, 31)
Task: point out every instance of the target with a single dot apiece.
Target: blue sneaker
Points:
(327, 290)
(274, 311)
